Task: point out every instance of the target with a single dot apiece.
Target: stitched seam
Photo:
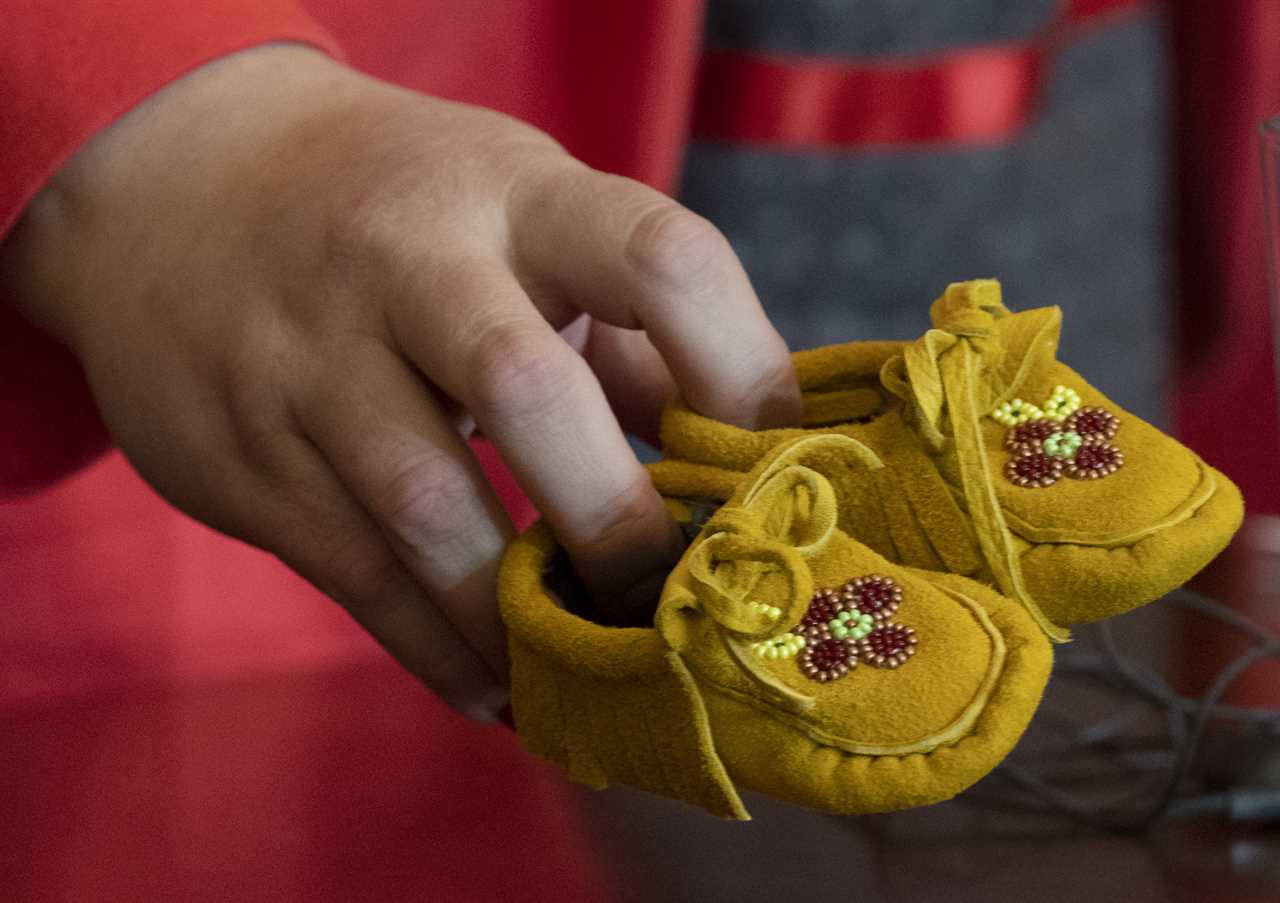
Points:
(1198, 498)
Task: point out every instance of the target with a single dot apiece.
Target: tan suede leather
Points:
(693, 710)
(1073, 552)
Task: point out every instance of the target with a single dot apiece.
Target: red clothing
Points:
(611, 82)
(107, 588)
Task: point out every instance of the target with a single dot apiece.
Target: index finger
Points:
(634, 258)
(476, 336)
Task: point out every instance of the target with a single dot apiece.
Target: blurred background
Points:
(241, 740)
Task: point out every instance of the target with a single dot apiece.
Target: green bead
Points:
(1062, 445)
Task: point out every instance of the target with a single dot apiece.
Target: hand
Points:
(294, 290)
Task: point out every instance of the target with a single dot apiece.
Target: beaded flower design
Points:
(843, 626)
(1059, 438)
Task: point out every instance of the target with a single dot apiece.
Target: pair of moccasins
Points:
(864, 619)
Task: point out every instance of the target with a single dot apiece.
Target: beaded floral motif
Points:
(784, 646)
(1060, 405)
(873, 595)
(829, 659)
(1062, 445)
(772, 612)
(1094, 461)
(1059, 438)
(1029, 434)
(845, 625)
(888, 646)
(851, 625)
(1033, 468)
(823, 609)
(1093, 423)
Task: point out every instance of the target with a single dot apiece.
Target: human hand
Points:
(294, 289)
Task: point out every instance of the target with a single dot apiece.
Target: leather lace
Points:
(976, 356)
(787, 517)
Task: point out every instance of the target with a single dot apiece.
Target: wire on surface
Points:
(1068, 778)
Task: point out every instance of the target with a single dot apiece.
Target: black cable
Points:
(1065, 778)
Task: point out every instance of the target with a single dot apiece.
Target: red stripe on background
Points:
(975, 95)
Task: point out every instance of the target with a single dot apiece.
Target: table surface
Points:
(155, 790)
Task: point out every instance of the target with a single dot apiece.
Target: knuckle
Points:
(262, 441)
(772, 375)
(516, 371)
(424, 502)
(270, 446)
(764, 380)
(251, 379)
(460, 681)
(630, 515)
(675, 246)
(366, 236)
(353, 567)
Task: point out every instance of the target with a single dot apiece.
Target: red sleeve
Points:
(68, 68)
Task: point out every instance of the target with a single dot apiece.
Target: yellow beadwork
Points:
(783, 646)
(1062, 403)
(1016, 412)
(772, 612)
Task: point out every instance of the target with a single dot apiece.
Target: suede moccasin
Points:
(1001, 464)
(786, 658)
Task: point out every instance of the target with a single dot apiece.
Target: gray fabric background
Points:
(845, 246)
(871, 27)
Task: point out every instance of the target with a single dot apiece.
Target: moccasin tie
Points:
(976, 356)
(750, 575)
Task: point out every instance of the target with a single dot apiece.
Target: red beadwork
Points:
(1030, 436)
(888, 646)
(1033, 469)
(823, 608)
(828, 659)
(1093, 423)
(1094, 460)
(873, 595)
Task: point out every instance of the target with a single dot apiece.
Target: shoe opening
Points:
(564, 586)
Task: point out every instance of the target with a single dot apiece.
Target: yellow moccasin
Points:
(786, 657)
(1001, 464)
